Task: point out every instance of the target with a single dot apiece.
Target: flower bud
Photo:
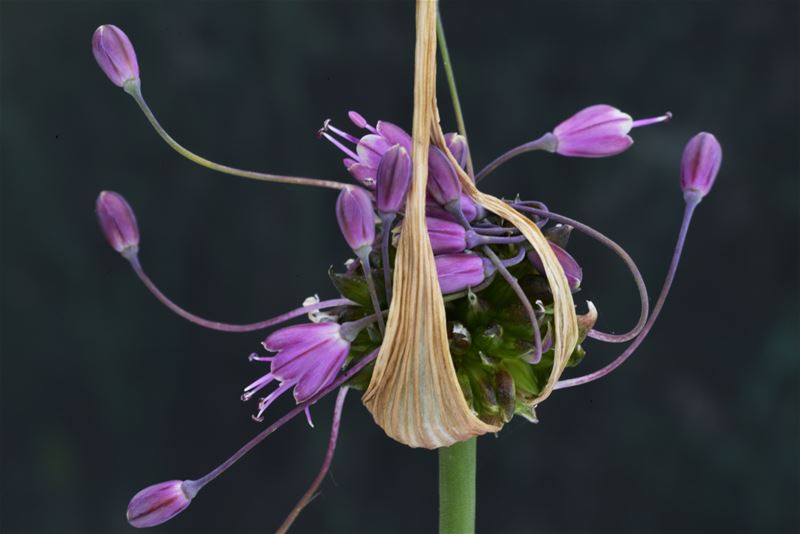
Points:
(594, 132)
(118, 223)
(457, 145)
(701, 160)
(572, 270)
(356, 219)
(393, 180)
(457, 272)
(159, 503)
(443, 184)
(115, 54)
(446, 237)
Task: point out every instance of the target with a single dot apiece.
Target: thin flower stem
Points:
(457, 487)
(373, 293)
(523, 298)
(644, 301)
(546, 142)
(691, 204)
(225, 327)
(451, 82)
(197, 485)
(386, 223)
(310, 493)
(133, 88)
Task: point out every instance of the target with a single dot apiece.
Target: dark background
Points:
(103, 391)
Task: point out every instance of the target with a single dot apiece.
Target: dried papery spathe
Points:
(564, 317)
(414, 394)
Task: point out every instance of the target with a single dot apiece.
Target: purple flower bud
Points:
(446, 237)
(457, 272)
(160, 502)
(356, 219)
(393, 180)
(443, 184)
(594, 132)
(115, 54)
(457, 144)
(118, 223)
(572, 270)
(701, 160)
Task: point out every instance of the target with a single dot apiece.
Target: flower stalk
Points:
(457, 487)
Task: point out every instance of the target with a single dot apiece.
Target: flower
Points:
(118, 223)
(457, 272)
(159, 503)
(700, 164)
(393, 180)
(598, 131)
(446, 237)
(309, 357)
(115, 54)
(443, 184)
(356, 219)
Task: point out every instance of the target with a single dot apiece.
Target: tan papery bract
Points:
(414, 394)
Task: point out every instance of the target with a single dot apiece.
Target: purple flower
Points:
(701, 160)
(457, 145)
(443, 184)
(598, 131)
(572, 270)
(363, 163)
(309, 358)
(393, 180)
(115, 54)
(447, 237)
(118, 223)
(457, 272)
(159, 503)
(356, 219)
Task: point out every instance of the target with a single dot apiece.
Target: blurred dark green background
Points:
(103, 391)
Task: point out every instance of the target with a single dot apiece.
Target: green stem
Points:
(457, 462)
(457, 487)
(451, 82)
(133, 88)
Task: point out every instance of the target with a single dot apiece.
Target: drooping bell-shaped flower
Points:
(118, 223)
(700, 164)
(598, 131)
(572, 270)
(393, 180)
(115, 54)
(159, 503)
(356, 219)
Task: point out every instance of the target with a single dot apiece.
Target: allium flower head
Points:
(115, 54)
